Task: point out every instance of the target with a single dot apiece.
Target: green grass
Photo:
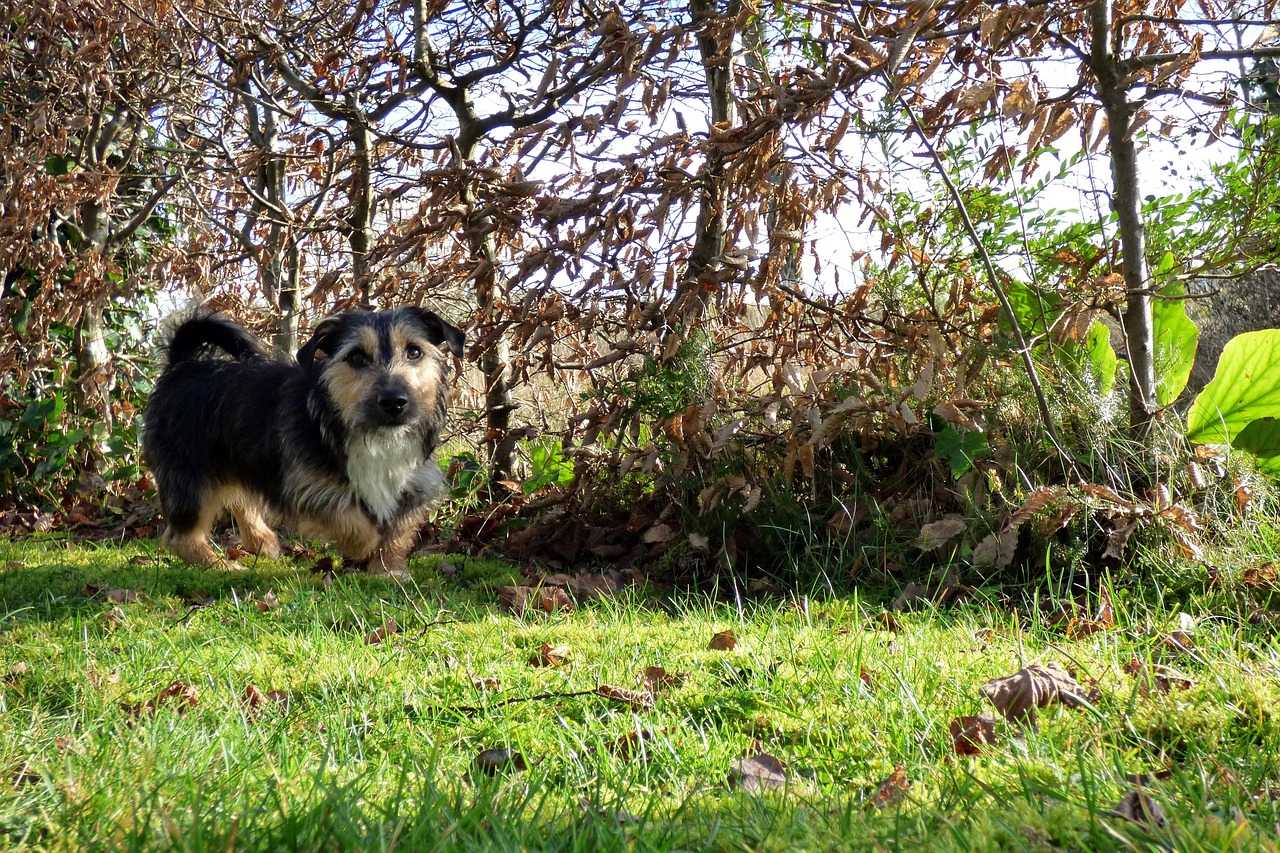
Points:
(368, 755)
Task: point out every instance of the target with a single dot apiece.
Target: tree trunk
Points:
(360, 221)
(95, 373)
(1126, 200)
(694, 292)
(496, 354)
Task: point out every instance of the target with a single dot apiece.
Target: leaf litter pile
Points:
(570, 683)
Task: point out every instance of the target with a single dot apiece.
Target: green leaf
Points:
(1102, 357)
(1176, 340)
(1262, 439)
(1245, 389)
(57, 165)
(1034, 308)
(960, 450)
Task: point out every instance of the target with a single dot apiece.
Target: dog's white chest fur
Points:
(380, 465)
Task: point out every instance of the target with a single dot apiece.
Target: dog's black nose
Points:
(392, 402)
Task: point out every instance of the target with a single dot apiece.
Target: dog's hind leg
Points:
(256, 536)
(187, 535)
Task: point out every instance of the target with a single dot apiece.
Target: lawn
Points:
(301, 718)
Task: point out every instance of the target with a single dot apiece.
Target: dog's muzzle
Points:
(392, 406)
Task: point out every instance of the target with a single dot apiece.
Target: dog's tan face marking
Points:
(366, 362)
(417, 363)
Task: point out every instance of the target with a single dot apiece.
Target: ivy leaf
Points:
(960, 449)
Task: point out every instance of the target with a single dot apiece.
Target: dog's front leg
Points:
(392, 553)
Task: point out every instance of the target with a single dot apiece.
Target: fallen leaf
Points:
(178, 693)
(254, 700)
(1178, 643)
(938, 533)
(893, 791)
(969, 735)
(1260, 576)
(1037, 686)
(113, 618)
(724, 641)
(944, 593)
(113, 594)
(636, 700)
(630, 743)
(487, 685)
(234, 553)
(553, 599)
(550, 655)
(1156, 678)
(65, 744)
(268, 602)
(659, 534)
(514, 599)
(491, 761)
(657, 679)
(377, 635)
(758, 773)
(595, 587)
(1138, 807)
(888, 621)
(1122, 527)
(996, 550)
(867, 677)
(15, 673)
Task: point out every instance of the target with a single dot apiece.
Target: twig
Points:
(472, 710)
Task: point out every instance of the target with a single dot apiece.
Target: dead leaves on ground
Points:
(1018, 696)
(178, 694)
(761, 772)
(724, 641)
(557, 593)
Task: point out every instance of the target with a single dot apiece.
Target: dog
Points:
(336, 445)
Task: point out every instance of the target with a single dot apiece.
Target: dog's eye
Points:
(413, 352)
(357, 358)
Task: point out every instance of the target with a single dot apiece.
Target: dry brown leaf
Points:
(657, 679)
(491, 761)
(760, 772)
(553, 599)
(938, 533)
(888, 621)
(113, 594)
(550, 655)
(971, 735)
(180, 694)
(1122, 528)
(1156, 679)
(630, 743)
(254, 700)
(636, 700)
(893, 790)
(1260, 576)
(268, 602)
(595, 587)
(1138, 807)
(487, 685)
(1018, 696)
(867, 677)
(377, 635)
(724, 641)
(514, 599)
(15, 673)
(996, 550)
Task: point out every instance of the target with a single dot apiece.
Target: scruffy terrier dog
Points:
(337, 446)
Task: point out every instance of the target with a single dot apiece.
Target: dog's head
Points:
(382, 369)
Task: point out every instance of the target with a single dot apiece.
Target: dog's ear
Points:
(324, 341)
(438, 331)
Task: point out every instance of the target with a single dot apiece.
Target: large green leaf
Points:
(1262, 439)
(1245, 389)
(1102, 357)
(1176, 340)
(1034, 308)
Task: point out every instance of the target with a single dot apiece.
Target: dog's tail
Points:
(201, 335)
